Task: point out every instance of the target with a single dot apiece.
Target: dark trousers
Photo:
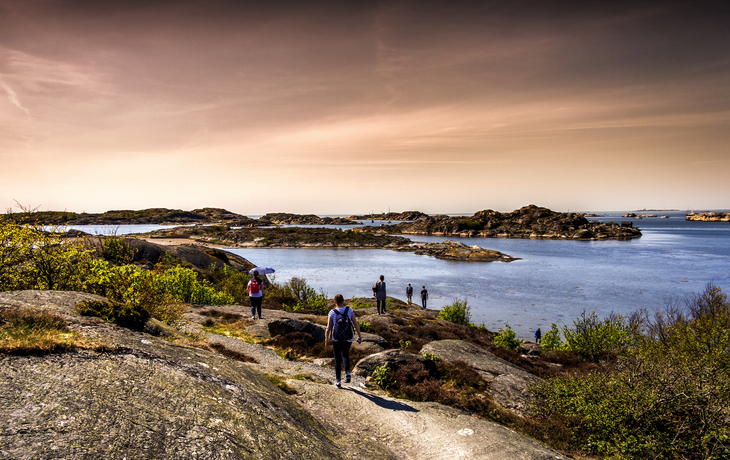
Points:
(423, 301)
(342, 353)
(256, 305)
(381, 305)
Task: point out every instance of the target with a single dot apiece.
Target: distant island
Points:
(708, 216)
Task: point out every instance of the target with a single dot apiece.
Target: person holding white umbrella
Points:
(255, 289)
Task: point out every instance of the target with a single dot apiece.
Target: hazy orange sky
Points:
(352, 107)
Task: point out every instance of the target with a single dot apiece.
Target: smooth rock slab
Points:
(510, 384)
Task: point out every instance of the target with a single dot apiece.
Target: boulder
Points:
(286, 326)
(394, 359)
(510, 384)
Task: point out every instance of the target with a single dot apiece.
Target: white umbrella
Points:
(262, 270)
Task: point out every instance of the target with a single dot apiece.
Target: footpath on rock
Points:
(161, 393)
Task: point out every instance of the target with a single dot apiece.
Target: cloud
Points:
(13, 97)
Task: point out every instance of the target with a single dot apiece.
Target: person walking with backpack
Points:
(409, 293)
(424, 296)
(340, 323)
(380, 295)
(255, 294)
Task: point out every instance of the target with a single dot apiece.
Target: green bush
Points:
(458, 312)
(666, 396)
(506, 338)
(551, 339)
(318, 303)
(365, 326)
(31, 258)
(115, 249)
(592, 338)
(232, 282)
(381, 376)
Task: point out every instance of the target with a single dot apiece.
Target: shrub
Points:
(365, 326)
(592, 338)
(300, 289)
(551, 339)
(381, 376)
(127, 315)
(115, 249)
(232, 282)
(31, 258)
(666, 397)
(318, 303)
(506, 338)
(458, 312)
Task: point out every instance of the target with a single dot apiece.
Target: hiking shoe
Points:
(253, 317)
(338, 385)
(347, 379)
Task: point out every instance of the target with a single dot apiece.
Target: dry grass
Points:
(24, 332)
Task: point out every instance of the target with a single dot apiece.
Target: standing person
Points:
(424, 296)
(340, 322)
(255, 290)
(538, 336)
(409, 293)
(379, 290)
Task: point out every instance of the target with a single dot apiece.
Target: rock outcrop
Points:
(455, 250)
(144, 398)
(708, 216)
(510, 384)
(407, 215)
(283, 218)
(394, 359)
(527, 222)
(141, 396)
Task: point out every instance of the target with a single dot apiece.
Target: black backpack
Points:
(342, 331)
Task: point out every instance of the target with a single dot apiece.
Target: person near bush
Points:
(424, 296)
(380, 295)
(255, 289)
(538, 336)
(340, 323)
(409, 293)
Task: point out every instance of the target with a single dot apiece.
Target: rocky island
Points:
(527, 222)
(406, 215)
(321, 238)
(708, 216)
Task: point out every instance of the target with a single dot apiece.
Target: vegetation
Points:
(37, 333)
(32, 258)
(458, 312)
(665, 396)
(507, 338)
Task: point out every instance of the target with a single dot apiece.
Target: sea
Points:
(553, 282)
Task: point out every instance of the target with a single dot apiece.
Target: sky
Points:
(365, 106)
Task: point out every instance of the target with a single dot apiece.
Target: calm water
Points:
(553, 283)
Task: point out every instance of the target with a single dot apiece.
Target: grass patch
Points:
(279, 382)
(25, 332)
